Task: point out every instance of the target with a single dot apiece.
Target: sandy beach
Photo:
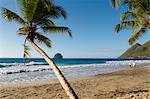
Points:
(102, 48)
(133, 83)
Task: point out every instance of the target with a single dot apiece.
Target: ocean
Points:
(14, 70)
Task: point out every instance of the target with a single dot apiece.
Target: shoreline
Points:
(133, 82)
(70, 79)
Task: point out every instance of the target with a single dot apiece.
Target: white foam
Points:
(16, 74)
(128, 62)
(34, 66)
(20, 69)
(22, 64)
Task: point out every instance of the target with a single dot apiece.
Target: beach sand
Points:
(133, 83)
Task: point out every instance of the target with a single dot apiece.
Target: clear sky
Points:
(91, 22)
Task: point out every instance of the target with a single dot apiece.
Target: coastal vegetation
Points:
(137, 51)
(136, 17)
(36, 21)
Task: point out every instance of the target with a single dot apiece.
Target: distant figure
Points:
(132, 65)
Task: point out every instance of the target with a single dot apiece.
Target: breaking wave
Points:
(13, 68)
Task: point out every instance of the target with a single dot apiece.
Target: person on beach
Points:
(132, 65)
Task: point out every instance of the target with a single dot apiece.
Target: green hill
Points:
(137, 51)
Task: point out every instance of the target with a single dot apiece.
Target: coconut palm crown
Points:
(36, 15)
(137, 17)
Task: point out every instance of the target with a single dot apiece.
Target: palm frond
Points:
(23, 30)
(128, 15)
(46, 9)
(137, 17)
(118, 28)
(57, 29)
(42, 39)
(58, 11)
(27, 30)
(126, 25)
(26, 51)
(46, 22)
(136, 35)
(115, 3)
(140, 6)
(28, 8)
(135, 27)
(12, 16)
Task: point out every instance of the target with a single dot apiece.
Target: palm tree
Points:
(36, 16)
(136, 17)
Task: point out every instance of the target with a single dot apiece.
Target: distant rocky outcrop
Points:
(58, 56)
(137, 51)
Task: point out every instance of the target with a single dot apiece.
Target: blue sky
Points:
(91, 22)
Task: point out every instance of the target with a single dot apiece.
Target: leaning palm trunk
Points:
(61, 78)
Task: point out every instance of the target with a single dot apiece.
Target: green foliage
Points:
(45, 22)
(136, 35)
(137, 17)
(127, 15)
(137, 51)
(28, 8)
(26, 51)
(23, 30)
(42, 39)
(115, 3)
(49, 10)
(11, 16)
(127, 24)
(53, 29)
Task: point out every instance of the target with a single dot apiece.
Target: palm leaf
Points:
(57, 29)
(28, 8)
(137, 17)
(117, 28)
(55, 10)
(11, 16)
(45, 22)
(42, 39)
(136, 35)
(128, 15)
(23, 30)
(135, 27)
(127, 24)
(59, 12)
(26, 51)
(115, 3)
(46, 9)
